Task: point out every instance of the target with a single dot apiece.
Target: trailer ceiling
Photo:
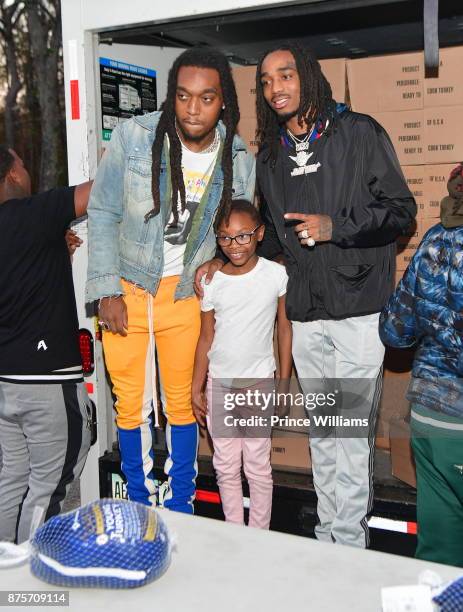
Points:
(332, 28)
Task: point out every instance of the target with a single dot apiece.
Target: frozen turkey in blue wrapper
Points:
(106, 544)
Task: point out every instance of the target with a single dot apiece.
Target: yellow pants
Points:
(176, 328)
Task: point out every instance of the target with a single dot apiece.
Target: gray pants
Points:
(343, 466)
(45, 438)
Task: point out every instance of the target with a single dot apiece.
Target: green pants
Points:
(439, 473)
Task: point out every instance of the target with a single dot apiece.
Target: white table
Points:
(226, 568)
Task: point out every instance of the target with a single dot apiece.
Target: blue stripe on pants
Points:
(137, 457)
(181, 467)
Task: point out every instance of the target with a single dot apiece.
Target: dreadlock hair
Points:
(239, 206)
(6, 161)
(200, 58)
(316, 99)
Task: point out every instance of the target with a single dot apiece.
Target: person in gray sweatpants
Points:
(334, 200)
(45, 415)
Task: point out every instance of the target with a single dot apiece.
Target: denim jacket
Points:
(121, 244)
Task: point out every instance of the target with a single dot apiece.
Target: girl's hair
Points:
(239, 206)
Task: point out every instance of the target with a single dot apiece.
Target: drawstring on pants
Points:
(152, 350)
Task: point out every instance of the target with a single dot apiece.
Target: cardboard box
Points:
(403, 464)
(245, 83)
(406, 131)
(413, 237)
(396, 82)
(407, 244)
(393, 405)
(443, 129)
(247, 130)
(335, 73)
(426, 225)
(429, 136)
(406, 250)
(428, 183)
(447, 88)
(436, 177)
(386, 83)
(205, 448)
(415, 177)
(291, 453)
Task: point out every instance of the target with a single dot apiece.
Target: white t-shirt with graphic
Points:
(245, 307)
(197, 170)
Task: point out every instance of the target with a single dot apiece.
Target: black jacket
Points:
(360, 185)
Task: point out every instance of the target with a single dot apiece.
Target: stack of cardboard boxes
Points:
(424, 119)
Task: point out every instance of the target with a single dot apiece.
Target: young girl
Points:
(236, 342)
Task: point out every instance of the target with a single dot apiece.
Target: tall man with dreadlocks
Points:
(156, 194)
(336, 201)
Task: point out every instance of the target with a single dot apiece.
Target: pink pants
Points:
(258, 472)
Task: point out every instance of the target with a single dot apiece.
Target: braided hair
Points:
(201, 58)
(316, 99)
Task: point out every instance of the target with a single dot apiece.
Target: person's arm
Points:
(285, 339)
(207, 269)
(201, 365)
(397, 323)
(105, 212)
(392, 207)
(72, 241)
(81, 197)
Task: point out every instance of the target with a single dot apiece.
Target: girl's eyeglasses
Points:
(242, 239)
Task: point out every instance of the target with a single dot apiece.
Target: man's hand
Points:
(209, 269)
(199, 405)
(314, 228)
(112, 315)
(72, 240)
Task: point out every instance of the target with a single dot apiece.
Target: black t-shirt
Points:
(38, 317)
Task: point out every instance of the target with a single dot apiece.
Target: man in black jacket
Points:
(335, 201)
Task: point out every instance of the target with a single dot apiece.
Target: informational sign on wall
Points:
(126, 90)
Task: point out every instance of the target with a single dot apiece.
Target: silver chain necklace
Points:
(214, 144)
(301, 144)
(210, 148)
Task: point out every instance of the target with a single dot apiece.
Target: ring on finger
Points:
(310, 242)
(304, 234)
(104, 325)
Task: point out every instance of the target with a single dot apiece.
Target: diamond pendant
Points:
(302, 158)
(302, 146)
